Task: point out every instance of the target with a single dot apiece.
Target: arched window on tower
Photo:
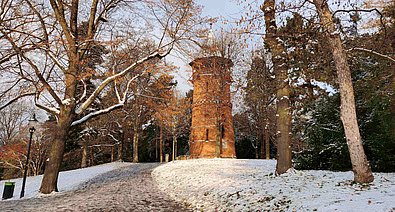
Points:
(222, 131)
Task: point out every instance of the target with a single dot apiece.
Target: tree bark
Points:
(267, 142)
(174, 144)
(120, 150)
(50, 178)
(112, 154)
(256, 149)
(263, 146)
(84, 154)
(160, 144)
(284, 156)
(135, 143)
(360, 165)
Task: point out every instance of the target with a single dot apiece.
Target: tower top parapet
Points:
(212, 61)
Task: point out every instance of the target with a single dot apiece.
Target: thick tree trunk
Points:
(284, 156)
(50, 178)
(284, 159)
(66, 115)
(360, 165)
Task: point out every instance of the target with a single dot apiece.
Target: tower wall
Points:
(211, 108)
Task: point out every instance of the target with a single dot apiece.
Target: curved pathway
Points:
(129, 188)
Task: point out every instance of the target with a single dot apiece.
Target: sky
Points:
(213, 8)
(226, 8)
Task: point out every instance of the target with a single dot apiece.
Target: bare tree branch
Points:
(15, 99)
(373, 52)
(110, 79)
(97, 113)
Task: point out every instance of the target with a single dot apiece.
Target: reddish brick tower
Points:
(212, 133)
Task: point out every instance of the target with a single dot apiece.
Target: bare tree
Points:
(45, 55)
(360, 165)
(11, 120)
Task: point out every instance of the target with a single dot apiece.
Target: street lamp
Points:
(32, 122)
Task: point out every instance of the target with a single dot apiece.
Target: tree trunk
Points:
(175, 149)
(156, 149)
(66, 115)
(267, 141)
(263, 146)
(284, 156)
(92, 153)
(160, 144)
(84, 154)
(284, 160)
(120, 150)
(112, 154)
(50, 178)
(174, 144)
(135, 144)
(360, 165)
(256, 149)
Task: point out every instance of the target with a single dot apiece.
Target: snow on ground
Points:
(68, 180)
(250, 185)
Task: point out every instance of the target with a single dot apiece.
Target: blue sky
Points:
(228, 9)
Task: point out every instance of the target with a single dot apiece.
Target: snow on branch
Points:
(110, 79)
(51, 110)
(96, 113)
(113, 138)
(373, 52)
(84, 92)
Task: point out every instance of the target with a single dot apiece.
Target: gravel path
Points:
(129, 188)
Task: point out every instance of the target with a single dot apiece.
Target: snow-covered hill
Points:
(249, 185)
(68, 180)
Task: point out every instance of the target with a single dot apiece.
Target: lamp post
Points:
(32, 122)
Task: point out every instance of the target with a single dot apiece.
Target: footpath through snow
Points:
(250, 185)
(68, 180)
(128, 188)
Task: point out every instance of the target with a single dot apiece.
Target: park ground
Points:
(205, 185)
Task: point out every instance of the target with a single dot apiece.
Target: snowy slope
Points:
(249, 185)
(68, 180)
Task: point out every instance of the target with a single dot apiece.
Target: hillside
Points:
(250, 185)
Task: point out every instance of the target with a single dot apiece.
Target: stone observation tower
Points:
(212, 133)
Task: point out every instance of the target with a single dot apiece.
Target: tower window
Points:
(222, 131)
(206, 86)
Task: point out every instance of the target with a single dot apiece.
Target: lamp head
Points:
(32, 123)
